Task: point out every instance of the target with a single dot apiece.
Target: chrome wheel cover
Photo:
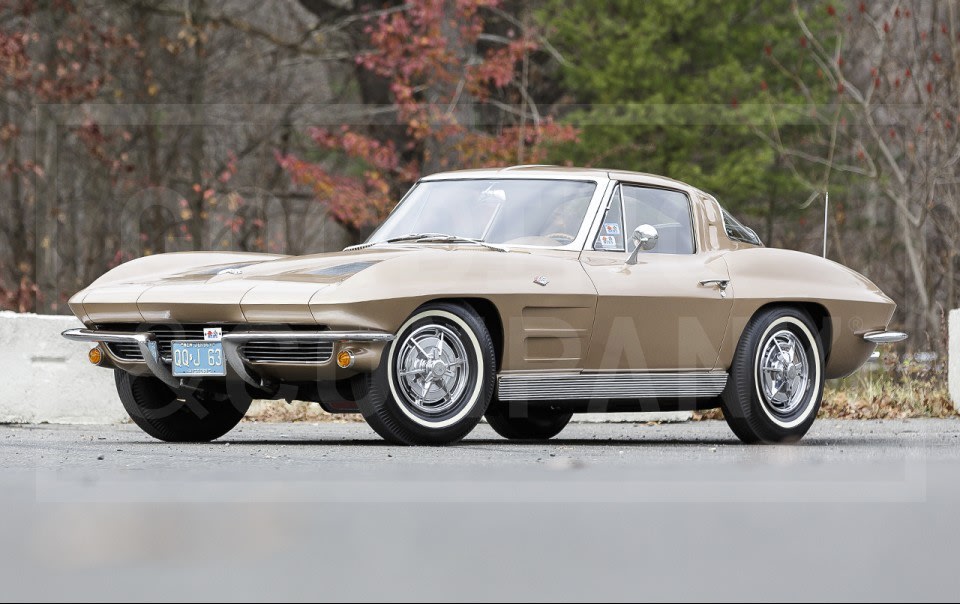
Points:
(783, 373)
(432, 370)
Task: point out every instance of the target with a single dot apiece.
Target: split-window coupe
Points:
(522, 294)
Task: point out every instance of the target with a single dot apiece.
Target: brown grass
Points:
(281, 411)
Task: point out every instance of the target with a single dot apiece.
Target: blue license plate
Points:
(193, 359)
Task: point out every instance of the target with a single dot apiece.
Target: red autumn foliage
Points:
(68, 64)
(428, 54)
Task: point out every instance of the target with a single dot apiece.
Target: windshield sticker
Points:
(611, 228)
(608, 241)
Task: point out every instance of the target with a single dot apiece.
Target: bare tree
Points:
(891, 129)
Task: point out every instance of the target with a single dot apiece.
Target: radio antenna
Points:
(826, 214)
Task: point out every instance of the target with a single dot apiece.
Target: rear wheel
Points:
(179, 417)
(435, 379)
(538, 422)
(776, 380)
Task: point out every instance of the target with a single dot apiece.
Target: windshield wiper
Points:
(414, 237)
(439, 237)
(431, 238)
(398, 239)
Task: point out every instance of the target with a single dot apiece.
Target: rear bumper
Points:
(884, 337)
(232, 343)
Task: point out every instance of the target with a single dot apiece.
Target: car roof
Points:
(565, 172)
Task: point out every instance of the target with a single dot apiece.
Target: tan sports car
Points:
(523, 294)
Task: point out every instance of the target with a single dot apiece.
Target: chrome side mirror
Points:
(645, 236)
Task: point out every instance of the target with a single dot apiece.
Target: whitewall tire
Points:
(435, 380)
(776, 379)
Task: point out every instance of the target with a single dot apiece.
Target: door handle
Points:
(721, 283)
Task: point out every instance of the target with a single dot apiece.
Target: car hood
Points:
(228, 288)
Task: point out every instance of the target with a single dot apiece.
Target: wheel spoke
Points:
(439, 349)
(775, 392)
(425, 354)
(793, 351)
(446, 388)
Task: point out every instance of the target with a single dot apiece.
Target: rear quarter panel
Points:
(764, 276)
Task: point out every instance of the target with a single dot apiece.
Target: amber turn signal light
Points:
(344, 359)
(95, 355)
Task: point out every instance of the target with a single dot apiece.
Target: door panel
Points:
(655, 315)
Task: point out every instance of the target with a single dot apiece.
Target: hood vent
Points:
(342, 270)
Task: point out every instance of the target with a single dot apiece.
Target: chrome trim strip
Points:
(884, 337)
(586, 386)
(107, 337)
(311, 336)
(89, 335)
(285, 362)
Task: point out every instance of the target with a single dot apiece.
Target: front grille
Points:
(255, 351)
(164, 336)
(126, 351)
(291, 351)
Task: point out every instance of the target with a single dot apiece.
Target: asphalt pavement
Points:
(855, 511)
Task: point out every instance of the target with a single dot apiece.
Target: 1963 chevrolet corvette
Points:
(523, 294)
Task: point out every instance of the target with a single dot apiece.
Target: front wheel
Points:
(179, 417)
(776, 380)
(435, 379)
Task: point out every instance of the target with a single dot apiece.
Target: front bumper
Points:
(232, 343)
(884, 337)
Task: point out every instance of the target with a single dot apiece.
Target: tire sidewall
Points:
(377, 396)
(742, 401)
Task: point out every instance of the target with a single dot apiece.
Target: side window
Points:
(611, 238)
(668, 211)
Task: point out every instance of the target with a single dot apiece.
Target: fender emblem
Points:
(541, 280)
(231, 271)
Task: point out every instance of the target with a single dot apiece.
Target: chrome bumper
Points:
(231, 347)
(884, 337)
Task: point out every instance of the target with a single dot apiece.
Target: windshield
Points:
(544, 213)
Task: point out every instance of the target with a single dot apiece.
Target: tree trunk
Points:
(195, 150)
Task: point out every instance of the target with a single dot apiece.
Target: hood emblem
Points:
(231, 271)
(541, 280)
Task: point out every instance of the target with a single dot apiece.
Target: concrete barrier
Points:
(953, 357)
(45, 378)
